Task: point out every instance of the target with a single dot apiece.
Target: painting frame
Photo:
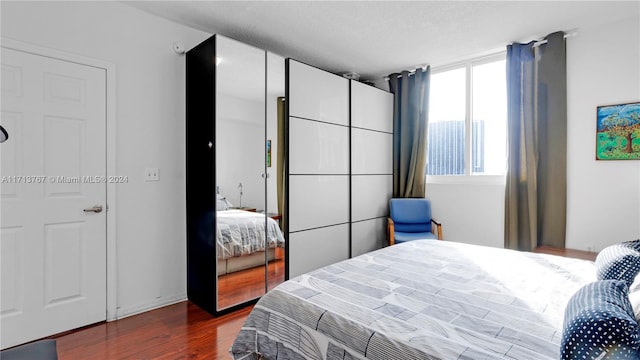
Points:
(618, 131)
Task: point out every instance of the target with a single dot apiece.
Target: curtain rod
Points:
(411, 72)
(567, 34)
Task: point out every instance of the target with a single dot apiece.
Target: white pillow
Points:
(222, 203)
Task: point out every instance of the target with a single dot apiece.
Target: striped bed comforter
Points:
(419, 300)
(242, 233)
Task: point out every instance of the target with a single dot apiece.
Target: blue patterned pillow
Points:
(599, 323)
(619, 262)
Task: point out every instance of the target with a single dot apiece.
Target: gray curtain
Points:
(410, 120)
(536, 183)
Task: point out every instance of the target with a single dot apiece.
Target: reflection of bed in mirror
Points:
(240, 238)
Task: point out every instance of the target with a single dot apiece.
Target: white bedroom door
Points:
(53, 233)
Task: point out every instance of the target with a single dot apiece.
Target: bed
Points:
(240, 240)
(419, 300)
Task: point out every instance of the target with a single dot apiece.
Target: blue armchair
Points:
(410, 219)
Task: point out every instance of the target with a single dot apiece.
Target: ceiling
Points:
(377, 38)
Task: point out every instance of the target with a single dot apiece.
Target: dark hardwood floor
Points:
(179, 331)
(572, 253)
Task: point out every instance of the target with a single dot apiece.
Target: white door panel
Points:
(371, 152)
(11, 153)
(313, 249)
(317, 95)
(368, 235)
(370, 196)
(53, 166)
(371, 108)
(318, 148)
(12, 274)
(322, 200)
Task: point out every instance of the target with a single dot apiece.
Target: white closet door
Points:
(372, 108)
(53, 167)
(319, 168)
(320, 200)
(371, 166)
(320, 148)
(368, 235)
(371, 152)
(370, 196)
(313, 249)
(317, 95)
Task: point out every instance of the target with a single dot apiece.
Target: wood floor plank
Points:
(179, 331)
(572, 253)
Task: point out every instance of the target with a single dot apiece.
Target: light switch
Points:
(151, 174)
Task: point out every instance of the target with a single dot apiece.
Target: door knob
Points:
(95, 209)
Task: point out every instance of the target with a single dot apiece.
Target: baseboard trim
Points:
(124, 312)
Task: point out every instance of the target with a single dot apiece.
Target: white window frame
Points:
(468, 177)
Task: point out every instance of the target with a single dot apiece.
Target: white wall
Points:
(470, 211)
(240, 150)
(603, 67)
(150, 90)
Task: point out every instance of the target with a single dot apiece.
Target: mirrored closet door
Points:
(240, 169)
(235, 243)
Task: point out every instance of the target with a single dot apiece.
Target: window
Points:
(470, 98)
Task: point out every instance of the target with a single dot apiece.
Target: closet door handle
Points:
(95, 209)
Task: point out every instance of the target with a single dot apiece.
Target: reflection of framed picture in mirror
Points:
(268, 153)
(618, 132)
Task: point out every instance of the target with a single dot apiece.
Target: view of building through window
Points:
(469, 100)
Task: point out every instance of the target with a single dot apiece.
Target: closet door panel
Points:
(312, 249)
(370, 196)
(239, 145)
(371, 152)
(317, 201)
(318, 148)
(371, 108)
(368, 235)
(371, 166)
(318, 95)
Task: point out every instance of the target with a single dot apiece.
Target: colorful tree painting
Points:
(618, 136)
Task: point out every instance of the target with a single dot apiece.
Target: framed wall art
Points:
(618, 132)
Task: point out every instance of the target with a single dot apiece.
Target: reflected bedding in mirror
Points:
(242, 233)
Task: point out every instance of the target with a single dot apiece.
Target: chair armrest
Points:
(390, 230)
(437, 229)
